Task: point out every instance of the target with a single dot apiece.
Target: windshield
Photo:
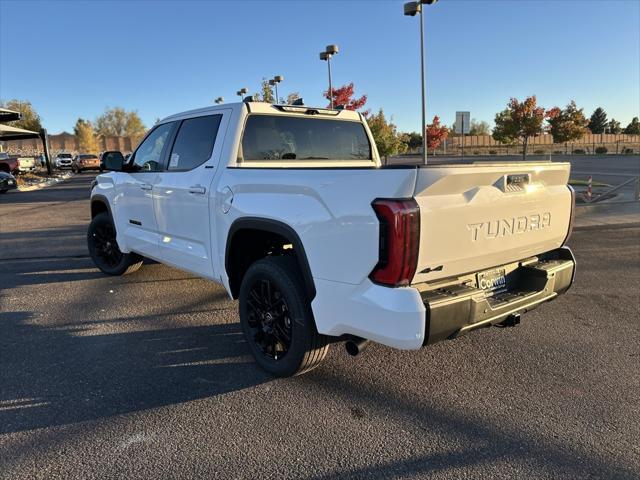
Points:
(279, 137)
(64, 155)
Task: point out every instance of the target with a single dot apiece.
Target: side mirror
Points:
(113, 161)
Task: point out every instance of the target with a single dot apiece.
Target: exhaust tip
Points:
(355, 347)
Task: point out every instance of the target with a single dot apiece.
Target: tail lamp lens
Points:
(399, 241)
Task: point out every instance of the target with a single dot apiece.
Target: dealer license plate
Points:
(493, 281)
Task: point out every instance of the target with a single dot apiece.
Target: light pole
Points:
(276, 80)
(329, 52)
(411, 9)
(219, 100)
(241, 92)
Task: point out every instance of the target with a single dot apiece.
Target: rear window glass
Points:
(271, 137)
(87, 157)
(194, 142)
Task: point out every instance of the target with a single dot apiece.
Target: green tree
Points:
(385, 134)
(633, 128)
(567, 124)
(120, 123)
(30, 120)
(85, 136)
(598, 120)
(413, 140)
(614, 127)
(266, 92)
(479, 128)
(519, 122)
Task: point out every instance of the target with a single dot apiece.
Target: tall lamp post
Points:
(276, 80)
(411, 9)
(329, 52)
(241, 93)
(219, 100)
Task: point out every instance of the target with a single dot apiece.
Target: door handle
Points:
(200, 190)
(146, 186)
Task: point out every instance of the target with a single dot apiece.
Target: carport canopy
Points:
(8, 133)
(8, 115)
(15, 133)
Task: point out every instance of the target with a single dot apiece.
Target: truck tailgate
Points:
(479, 216)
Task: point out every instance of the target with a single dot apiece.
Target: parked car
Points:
(15, 165)
(63, 160)
(85, 161)
(291, 210)
(7, 182)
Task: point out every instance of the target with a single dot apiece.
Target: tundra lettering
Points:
(290, 209)
(508, 226)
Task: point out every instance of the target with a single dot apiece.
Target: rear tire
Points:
(104, 250)
(276, 318)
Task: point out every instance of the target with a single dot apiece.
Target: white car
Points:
(289, 208)
(63, 160)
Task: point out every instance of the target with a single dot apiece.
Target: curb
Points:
(46, 183)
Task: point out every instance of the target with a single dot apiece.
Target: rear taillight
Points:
(573, 213)
(399, 240)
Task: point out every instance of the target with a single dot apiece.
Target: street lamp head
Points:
(331, 49)
(278, 78)
(272, 82)
(412, 8)
(324, 56)
(239, 93)
(243, 90)
(428, 2)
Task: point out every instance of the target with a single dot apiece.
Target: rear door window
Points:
(194, 142)
(280, 137)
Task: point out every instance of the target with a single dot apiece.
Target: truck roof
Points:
(275, 109)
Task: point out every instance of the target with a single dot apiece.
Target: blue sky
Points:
(74, 58)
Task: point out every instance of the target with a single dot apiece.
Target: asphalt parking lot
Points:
(147, 376)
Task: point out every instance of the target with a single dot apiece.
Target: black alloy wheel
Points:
(269, 319)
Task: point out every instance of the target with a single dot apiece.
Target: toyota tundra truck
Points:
(290, 209)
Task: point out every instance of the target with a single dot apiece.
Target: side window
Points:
(194, 142)
(148, 156)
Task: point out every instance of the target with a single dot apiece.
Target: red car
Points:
(85, 161)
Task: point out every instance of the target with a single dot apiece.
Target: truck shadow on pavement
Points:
(53, 376)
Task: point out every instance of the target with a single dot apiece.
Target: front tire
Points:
(276, 318)
(104, 250)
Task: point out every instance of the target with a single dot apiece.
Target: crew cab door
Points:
(183, 198)
(136, 220)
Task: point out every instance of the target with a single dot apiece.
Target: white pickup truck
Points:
(290, 209)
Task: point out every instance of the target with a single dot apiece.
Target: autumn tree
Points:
(614, 127)
(633, 128)
(120, 123)
(29, 118)
(292, 97)
(436, 133)
(85, 136)
(519, 122)
(567, 124)
(345, 96)
(479, 128)
(385, 134)
(598, 121)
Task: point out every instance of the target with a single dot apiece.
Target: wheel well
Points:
(251, 240)
(97, 207)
